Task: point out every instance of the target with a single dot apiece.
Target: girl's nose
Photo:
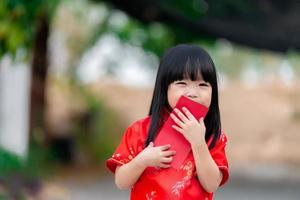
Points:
(192, 92)
(192, 96)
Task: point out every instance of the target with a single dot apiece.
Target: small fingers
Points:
(168, 153)
(188, 114)
(167, 159)
(165, 147)
(176, 120)
(163, 165)
(181, 115)
(201, 120)
(177, 129)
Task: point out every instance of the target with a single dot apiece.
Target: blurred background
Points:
(75, 73)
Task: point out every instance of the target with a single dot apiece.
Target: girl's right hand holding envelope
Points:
(159, 156)
(192, 129)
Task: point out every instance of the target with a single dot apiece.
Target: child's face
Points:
(199, 91)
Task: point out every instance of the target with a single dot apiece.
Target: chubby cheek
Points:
(207, 102)
(172, 102)
(206, 99)
(173, 97)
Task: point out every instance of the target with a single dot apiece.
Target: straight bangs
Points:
(191, 67)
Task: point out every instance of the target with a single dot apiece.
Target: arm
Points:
(208, 172)
(127, 174)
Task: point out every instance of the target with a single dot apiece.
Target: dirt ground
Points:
(262, 123)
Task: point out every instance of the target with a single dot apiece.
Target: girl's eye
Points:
(203, 84)
(180, 83)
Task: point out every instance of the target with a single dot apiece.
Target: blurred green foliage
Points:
(99, 130)
(20, 175)
(94, 128)
(154, 37)
(192, 10)
(18, 20)
(9, 162)
(37, 163)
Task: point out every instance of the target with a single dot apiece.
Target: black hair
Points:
(178, 63)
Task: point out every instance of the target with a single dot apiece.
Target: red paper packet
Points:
(169, 135)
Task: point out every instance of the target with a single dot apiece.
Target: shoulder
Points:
(222, 138)
(141, 123)
(221, 141)
(139, 127)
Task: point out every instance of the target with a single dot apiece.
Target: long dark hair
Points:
(180, 62)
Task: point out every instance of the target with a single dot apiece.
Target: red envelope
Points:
(169, 135)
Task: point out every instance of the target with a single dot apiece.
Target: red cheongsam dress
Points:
(165, 184)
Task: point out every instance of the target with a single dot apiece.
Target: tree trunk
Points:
(39, 68)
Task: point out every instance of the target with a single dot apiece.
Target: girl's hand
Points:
(192, 129)
(156, 156)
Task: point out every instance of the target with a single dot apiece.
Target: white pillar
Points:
(14, 106)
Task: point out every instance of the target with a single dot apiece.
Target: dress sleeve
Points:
(219, 155)
(130, 145)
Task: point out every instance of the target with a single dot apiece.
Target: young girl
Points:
(184, 70)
